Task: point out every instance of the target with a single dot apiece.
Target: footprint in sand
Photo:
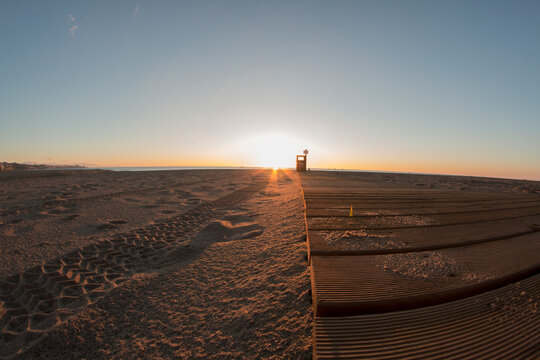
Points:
(105, 226)
(49, 197)
(110, 225)
(118, 222)
(270, 193)
(193, 201)
(42, 244)
(70, 217)
(223, 231)
(183, 194)
(57, 210)
(239, 217)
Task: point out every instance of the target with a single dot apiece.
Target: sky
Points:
(449, 87)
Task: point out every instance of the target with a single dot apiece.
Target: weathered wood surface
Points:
(407, 273)
(499, 324)
(377, 283)
(423, 238)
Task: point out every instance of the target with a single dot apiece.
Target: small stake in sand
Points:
(350, 213)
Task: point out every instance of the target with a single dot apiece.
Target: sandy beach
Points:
(229, 282)
(265, 180)
(195, 264)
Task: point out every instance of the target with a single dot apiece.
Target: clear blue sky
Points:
(423, 86)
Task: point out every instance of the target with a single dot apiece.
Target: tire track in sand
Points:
(37, 300)
(71, 202)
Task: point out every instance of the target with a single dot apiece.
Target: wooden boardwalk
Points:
(421, 272)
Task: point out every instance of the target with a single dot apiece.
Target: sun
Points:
(273, 150)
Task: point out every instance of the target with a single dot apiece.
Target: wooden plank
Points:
(349, 285)
(372, 222)
(374, 242)
(415, 199)
(499, 324)
(370, 192)
(411, 194)
(362, 210)
(479, 242)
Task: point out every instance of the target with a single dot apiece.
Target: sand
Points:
(198, 264)
(45, 214)
(427, 265)
(227, 280)
(359, 240)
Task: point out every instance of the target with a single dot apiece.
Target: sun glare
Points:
(274, 150)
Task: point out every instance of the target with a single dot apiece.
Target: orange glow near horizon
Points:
(276, 161)
(279, 149)
(274, 152)
(469, 169)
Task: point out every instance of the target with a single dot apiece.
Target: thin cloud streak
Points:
(72, 30)
(73, 27)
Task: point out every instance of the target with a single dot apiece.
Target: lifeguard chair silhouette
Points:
(301, 161)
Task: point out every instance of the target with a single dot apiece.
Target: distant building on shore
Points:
(5, 166)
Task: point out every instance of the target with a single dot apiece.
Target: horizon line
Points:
(312, 169)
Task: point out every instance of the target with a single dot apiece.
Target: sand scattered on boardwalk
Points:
(372, 221)
(359, 240)
(516, 305)
(426, 265)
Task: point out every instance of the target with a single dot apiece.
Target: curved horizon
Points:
(378, 85)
